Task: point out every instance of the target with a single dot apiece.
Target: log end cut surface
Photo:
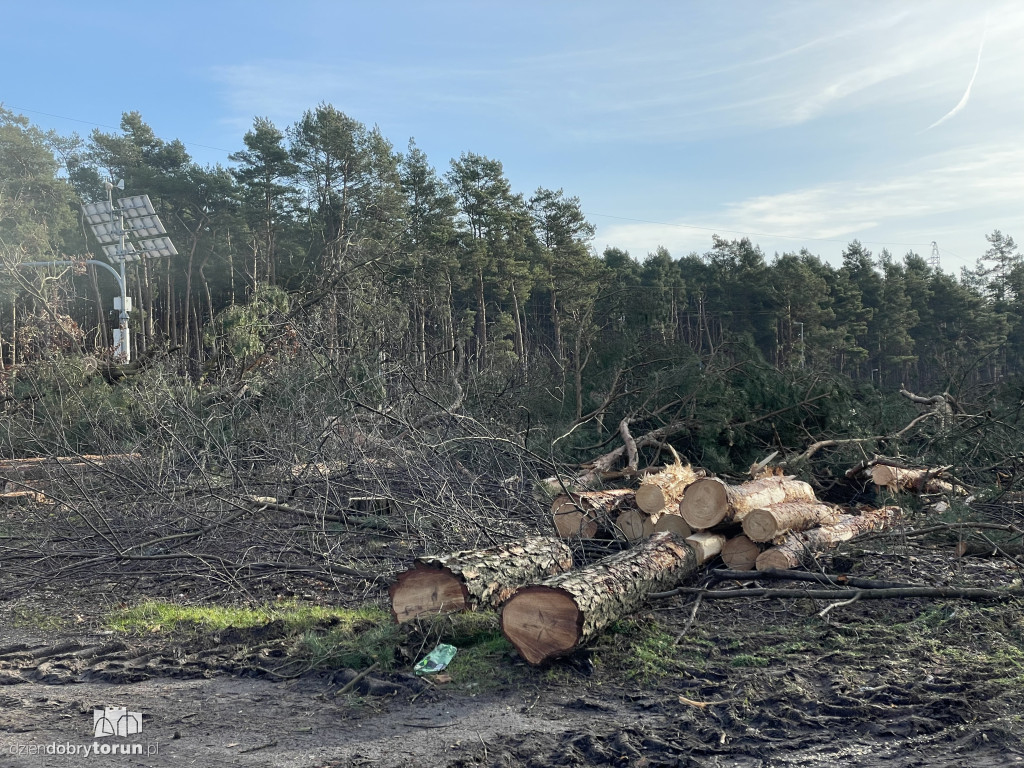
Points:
(741, 554)
(705, 503)
(426, 592)
(541, 622)
(673, 523)
(760, 525)
(775, 559)
(650, 498)
(570, 522)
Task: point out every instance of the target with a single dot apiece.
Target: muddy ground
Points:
(752, 682)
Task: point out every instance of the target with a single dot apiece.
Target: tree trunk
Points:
(740, 553)
(897, 479)
(664, 489)
(481, 322)
(767, 523)
(710, 501)
(558, 615)
(459, 581)
(587, 514)
(799, 547)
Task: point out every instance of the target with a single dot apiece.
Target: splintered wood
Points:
(470, 579)
(665, 489)
(557, 615)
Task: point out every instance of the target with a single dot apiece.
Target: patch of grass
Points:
(643, 650)
(35, 618)
(480, 661)
(351, 645)
(154, 616)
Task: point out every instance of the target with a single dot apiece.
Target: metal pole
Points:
(124, 350)
(120, 277)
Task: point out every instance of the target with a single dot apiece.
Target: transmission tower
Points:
(933, 262)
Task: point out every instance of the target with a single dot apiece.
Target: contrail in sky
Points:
(967, 94)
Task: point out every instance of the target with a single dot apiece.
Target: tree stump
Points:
(469, 579)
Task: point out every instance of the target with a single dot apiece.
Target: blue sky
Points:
(894, 123)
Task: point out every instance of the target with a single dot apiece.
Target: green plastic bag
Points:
(436, 660)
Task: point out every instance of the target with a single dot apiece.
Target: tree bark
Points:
(768, 523)
(710, 501)
(740, 553)
(558, 615)
(588, 514)
(459, 581)
(665, 489)
(799, 547)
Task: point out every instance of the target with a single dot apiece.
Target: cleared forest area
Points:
(667, 510)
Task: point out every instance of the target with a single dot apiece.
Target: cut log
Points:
(38, 468)
(558, 615)
(586, 514)
(768, 523)
(800, 547)
(632, 524)
(706, 544)
(671, 521)
(740, 553)
(474, 578)
(664, 489)
(897, 479)
(709, 501)
(16, 498)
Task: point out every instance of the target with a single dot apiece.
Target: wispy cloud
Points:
(967, 94)
(666, 82)
(977, 187)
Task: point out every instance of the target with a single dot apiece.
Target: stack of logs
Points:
(679, 520)
(770, 522)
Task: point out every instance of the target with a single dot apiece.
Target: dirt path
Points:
(227, 720)
(900, 685)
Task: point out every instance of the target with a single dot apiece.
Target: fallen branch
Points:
(958, 593)
(838, 580)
